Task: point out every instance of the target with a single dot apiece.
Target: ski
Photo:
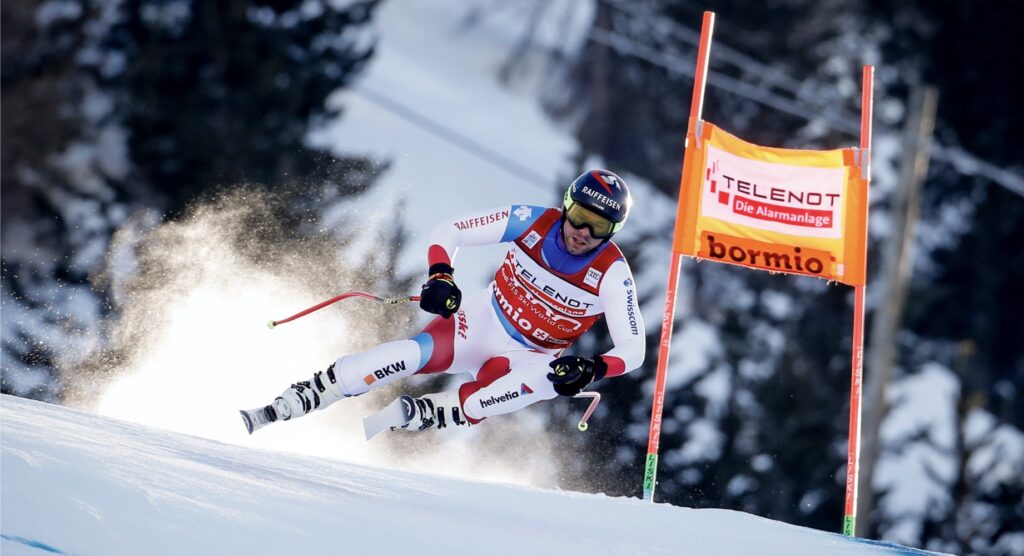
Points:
(394, 415)
(258, 418)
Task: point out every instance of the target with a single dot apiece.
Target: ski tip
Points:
(371, 428)
(247, 420)
(394, 415)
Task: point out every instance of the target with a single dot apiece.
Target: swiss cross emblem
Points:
(523, 212)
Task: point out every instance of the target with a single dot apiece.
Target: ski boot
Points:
(298, 400)
(256, 419)
(415, 414)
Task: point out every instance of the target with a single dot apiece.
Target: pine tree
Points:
(112, 108)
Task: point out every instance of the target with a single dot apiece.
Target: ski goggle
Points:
(599, 226)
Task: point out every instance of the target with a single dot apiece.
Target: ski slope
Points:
(75, 483)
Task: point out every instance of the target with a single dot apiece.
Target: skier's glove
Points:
(571, 374)
(440, 295)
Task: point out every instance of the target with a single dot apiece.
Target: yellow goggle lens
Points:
(579, 217)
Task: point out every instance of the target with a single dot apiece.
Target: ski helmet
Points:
(601, 193)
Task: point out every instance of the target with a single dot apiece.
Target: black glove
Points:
(440, 295)
(571, 374)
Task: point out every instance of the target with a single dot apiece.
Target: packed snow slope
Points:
(75, 483)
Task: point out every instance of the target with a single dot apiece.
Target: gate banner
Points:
(781, 210)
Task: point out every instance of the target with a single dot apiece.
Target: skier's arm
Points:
(479, 228)
(622, 313)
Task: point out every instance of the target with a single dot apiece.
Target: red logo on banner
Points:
(783, 214)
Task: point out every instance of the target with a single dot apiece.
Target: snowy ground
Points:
(75, 483)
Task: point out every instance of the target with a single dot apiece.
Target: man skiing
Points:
(560, 274)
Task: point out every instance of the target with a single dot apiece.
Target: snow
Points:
(999, 454)
(695, 344)
(917, 476)
(75, 483)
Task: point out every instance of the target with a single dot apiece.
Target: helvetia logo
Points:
(524, 390)
(766, 256)
(511, 395)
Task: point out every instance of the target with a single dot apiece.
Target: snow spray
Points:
(190, 345)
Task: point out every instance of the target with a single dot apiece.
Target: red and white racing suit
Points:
(542, 299)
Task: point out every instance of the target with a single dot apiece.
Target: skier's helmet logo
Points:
(602, 193)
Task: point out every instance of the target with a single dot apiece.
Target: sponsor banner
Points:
(785, 204)
(773, 197)
(766, 256)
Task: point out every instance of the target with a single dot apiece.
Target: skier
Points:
(560, 274)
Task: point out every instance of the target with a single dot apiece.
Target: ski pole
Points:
(337, 298)
(595, 398)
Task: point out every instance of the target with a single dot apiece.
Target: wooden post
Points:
(896, 265)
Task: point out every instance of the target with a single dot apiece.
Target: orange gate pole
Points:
(857, 363)
(657, 407)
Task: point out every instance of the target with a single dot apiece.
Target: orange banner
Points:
(782, 210)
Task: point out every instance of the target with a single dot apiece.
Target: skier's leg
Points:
(478, 336)
(465, 341)
(504, 384)
(354, 374)
(462, 342)
(520, 380)
(443, 409)
(350, 375)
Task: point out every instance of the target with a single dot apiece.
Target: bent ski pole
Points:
(337, 298)
(595, 398)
